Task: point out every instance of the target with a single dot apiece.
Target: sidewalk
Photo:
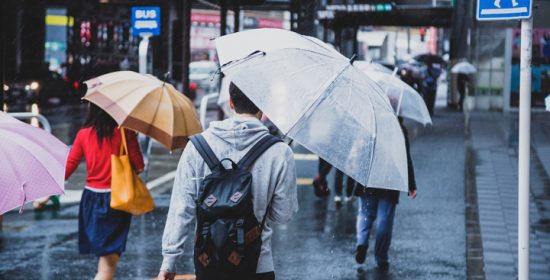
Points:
(494, 139)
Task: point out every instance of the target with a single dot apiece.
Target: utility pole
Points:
(236, 17)
(223, 17)
(186, 45)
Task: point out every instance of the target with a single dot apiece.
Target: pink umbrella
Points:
(32, 163)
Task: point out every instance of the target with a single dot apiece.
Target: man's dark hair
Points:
(242, 104)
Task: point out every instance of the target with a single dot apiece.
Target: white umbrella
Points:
(315, 96)
(405, 100)
(463, 67)
(547, 102)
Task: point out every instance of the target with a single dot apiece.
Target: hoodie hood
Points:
(238, 132)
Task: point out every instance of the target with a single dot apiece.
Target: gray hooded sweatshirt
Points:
(273, 175)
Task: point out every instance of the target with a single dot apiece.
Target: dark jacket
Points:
(392, 194)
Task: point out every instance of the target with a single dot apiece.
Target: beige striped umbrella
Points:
(146, 104)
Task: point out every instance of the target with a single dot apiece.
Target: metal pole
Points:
(185, 45)
(236, 17)
(408, 40)
(142, 51)
(524, 149)
(223, 17)
(144, 140)
(507, 70)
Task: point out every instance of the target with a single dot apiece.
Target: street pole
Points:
(186, 46)
(144, 140)
(223, 17)
(236, 17)
(524, 149)
(408, 40)
(142, 51)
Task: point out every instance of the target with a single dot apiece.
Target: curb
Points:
(474, 245)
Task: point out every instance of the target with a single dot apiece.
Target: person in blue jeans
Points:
(378, 205)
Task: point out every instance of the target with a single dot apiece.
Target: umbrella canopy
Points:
(405, 100)
(315, 96)
(32, 166)
(146, 104)
(429, 58)
(463, 67)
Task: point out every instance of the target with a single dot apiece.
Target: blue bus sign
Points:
(503, 9)
(146, 20)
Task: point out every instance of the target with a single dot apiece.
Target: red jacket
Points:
(98, 157)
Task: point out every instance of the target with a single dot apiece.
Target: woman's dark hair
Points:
(103, 123)
(242, 104)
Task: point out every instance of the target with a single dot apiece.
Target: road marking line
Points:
(304, 181)
(306, 157)
(161, 180)
(72, 196)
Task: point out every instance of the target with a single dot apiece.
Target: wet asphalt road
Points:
(428, 240)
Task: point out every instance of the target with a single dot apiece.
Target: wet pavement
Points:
(494, 143)
(428, 240)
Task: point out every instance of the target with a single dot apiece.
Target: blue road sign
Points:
(503, 9)
(146, 20)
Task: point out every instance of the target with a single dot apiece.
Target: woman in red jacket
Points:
(101, 230)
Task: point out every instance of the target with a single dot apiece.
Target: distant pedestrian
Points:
(320, 185)
(102, 231)
(379, 205)
(274, 198)
(463, 81)
(429, 85)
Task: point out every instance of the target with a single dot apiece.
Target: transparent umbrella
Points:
(463, 67)
(315, 96)
(405, 100)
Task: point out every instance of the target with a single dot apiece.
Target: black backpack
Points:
(228, 237)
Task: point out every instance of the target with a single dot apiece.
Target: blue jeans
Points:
(382, 210)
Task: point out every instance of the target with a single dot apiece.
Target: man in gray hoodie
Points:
(273, 175)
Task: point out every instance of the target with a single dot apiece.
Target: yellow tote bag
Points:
(128, 191)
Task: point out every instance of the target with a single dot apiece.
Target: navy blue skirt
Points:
(101, 230)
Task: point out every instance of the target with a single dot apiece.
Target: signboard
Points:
(503, 9)
(146, 20)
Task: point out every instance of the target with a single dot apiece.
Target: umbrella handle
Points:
(353, 58)
(166, 75)
(24, 199)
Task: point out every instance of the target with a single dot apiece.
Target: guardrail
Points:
(28, 116)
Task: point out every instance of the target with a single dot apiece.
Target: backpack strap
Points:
(246, 162)
(257, 150)
(205, 151)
